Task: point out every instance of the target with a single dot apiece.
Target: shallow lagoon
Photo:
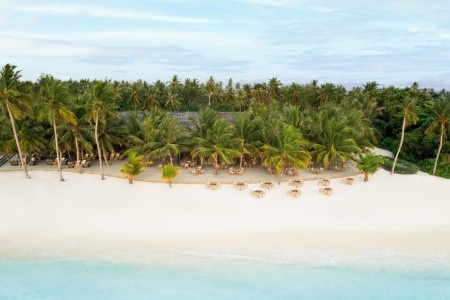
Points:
(194, 276)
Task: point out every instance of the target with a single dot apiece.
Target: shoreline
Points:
(122, 222)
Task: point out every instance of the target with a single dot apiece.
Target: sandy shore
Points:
(84, 215)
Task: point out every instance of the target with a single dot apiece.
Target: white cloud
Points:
(276, 3)
(100, 12)
(171, 36)
(26, 47)
(434, 33)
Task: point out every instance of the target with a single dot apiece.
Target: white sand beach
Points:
(84, 214)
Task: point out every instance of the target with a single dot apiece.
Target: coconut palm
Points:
(172, 102)
(287, 151)
(334, 142)
(206, 118)
(133, 167)
(248, 134)
(170, 139)
(77, 137)
(368, 164)
(439, 118)
(217, 145)
(169, 172)
(99, 106)
(5, 136)
(210, 88)
(54, 100)
(14, 105)
(111, 134)
(142, 135)
(30, 138)
(409, 111)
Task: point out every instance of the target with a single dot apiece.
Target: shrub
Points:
(443, 168)
(402, 167)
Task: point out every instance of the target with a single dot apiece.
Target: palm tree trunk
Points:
(78, 156)
(98, 147)
(58, 154)
(366, 177)
(240, 161)
(13, 125)
(106, 159)
(216, 166)
(441, 141)
(400, 145)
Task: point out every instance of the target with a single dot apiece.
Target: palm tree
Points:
(142, 135)
(211, 89)
(169, 172)
(334, 142)
(100, 105)
(5, 136)
(218, 144)
(134, 97)
(53, 107)
(206, 118)
(287, 151)
(111, 134)
(172, 102)
(133, 167)
(409, 110)
(170, 140)
(30, 137)
(248, 134)
(439, 117)
(368, 164)
(14, 105)
(78, 135)
(274, 89)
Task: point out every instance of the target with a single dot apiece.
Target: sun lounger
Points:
(294, 193)
(326, 191)
(349, 180)
(257, 193)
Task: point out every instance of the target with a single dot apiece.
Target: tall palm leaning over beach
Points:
(14, 105)
(99, 106)
(409, 110)
(439, 117)
(55, 98)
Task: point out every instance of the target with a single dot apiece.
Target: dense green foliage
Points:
(443, 169)
(403, 167)
(279, 126)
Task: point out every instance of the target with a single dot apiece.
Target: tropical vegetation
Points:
(133, 167)
(274, 125)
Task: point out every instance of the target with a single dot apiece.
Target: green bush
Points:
(443, 169)
(402, 167)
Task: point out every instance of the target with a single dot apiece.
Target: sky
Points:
(395, 42)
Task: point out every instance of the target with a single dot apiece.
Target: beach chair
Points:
(326, 191)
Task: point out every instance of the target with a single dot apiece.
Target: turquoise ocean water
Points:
(224, 278)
